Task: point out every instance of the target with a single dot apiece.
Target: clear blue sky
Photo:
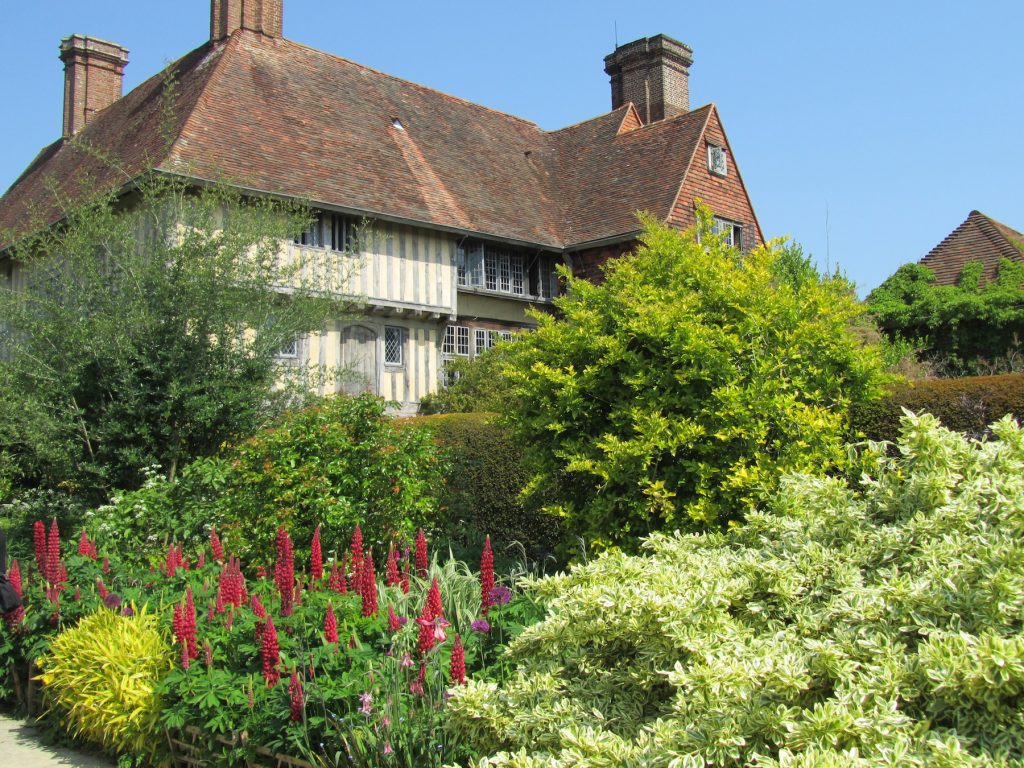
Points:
(864, 130)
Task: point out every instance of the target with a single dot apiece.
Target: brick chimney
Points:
(654, 74)
(263, 16)
(93, 72)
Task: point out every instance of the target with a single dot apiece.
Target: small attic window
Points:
(397, 124)
(718, 160)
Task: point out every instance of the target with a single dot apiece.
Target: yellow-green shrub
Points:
(100, 677)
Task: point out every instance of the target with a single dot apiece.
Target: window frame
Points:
(718, 150)
(388, 331)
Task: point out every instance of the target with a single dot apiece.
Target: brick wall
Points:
(725, 196)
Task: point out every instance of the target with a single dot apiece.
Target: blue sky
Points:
(865, 130)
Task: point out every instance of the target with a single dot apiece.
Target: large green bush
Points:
(676, 392)
(877, 625)
(485, 476)
(966, 405)
(334, 465)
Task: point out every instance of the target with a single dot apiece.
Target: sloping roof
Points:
(979, 238)
(271, 115)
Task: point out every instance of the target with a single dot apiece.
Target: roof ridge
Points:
(408, 82)
(579, 123)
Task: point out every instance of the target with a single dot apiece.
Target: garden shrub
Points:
(676, 392)
(101, 676)
(965, 405)
(868, 625)
(485, 477)
(336, 464)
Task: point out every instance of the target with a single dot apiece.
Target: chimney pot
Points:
(654, 74)
(93, 77)
(263, 16)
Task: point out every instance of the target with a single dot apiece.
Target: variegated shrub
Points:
(869, 623)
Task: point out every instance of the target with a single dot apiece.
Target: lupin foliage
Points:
(875, 624)
(675, 393)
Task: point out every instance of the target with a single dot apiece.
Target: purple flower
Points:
(483, 626)
(127, 611)
(112, 601)
(403, 620)
(367, 700)
(501, 595)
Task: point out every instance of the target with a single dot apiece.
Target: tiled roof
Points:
(979, 238)
(275, 116)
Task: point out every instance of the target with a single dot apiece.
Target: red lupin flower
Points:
(171, 562)
(393, 577)
(83, 544)
(421, 554)
(316, 557)
(284, 571)
(295, 691)
(215, 546)
(330, 625)
(486, 577)
(336, 583)
(393, 623)
(434, 600)
(188, 617)
(39, 540)
(270, 652)
(457, 667)
(101, 588)
(53, 554)
(405, 577)
(357, 560)
(368, 582)
(201, 562)
(15, 617)
(106, 566)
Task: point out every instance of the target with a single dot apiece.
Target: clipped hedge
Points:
(485, 475)
(965, 405)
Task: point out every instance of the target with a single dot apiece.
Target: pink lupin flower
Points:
(316, 557)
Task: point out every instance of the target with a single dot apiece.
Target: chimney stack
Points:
(654, 74)
(93, 73)
(263, 16)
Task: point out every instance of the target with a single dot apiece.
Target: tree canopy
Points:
(146, 331)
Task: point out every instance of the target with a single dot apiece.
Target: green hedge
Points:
(965, 405)
(485, 475)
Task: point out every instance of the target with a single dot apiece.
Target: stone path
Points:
(20, 747)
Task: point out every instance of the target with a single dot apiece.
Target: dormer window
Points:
(718, 160)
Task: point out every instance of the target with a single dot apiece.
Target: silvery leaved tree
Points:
(146, 330)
